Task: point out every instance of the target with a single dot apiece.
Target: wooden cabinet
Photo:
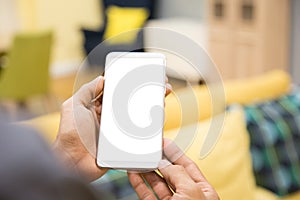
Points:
(248, 37)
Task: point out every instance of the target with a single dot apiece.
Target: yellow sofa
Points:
(228, 165)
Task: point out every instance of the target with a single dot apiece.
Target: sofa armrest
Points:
(243, 91)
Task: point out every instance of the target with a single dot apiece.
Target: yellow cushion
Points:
(228, 167)
(264, 194)
(266, 86)
(123, 19)
(294, 196)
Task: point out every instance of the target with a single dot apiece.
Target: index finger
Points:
(168, 89)
(177, 157)
(140, 187)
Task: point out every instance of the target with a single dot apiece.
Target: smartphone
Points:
(132, 116)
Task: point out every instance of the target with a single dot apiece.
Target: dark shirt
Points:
(29, 170)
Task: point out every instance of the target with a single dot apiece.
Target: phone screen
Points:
(132, 113)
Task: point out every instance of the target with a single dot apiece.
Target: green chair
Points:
(26, 72)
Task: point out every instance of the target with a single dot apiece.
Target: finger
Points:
(98, 109)
(98, 113)
(176, 156)
(140, 187)
(191, 168)
(89, 91)
(171, 151)
(164, 163)
(176, 176)
(97, 103)
(168, 89)
(158, 185)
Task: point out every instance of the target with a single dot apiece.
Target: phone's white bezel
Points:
(114, 55)
(129, 164)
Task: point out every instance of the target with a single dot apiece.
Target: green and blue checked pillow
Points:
(274, 128)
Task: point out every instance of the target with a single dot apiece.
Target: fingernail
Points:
(163, 163)
(169, 86)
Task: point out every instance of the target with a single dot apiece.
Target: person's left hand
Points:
(79, 128)
(79, 125)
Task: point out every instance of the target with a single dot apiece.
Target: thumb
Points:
(89, 91)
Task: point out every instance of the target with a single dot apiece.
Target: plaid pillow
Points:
(274, 128)
(114, 185)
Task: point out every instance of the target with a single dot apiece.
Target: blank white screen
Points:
(142, 99)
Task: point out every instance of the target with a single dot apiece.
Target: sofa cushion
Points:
(150, 5)
(228, 167)
(274, 128)
(263, 87)
(123, 24)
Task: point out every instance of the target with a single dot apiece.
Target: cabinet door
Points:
(221, 51)
(222, 20)
(248, 54)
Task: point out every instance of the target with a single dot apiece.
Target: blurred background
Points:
(243, 38)
(48, 48)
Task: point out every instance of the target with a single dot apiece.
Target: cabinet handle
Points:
(218, 7)
(247, 10)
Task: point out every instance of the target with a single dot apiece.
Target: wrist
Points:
(63, 156)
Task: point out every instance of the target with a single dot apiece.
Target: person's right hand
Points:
(183, 176)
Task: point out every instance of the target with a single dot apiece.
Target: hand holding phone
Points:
(177, 177)
(75, 143)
